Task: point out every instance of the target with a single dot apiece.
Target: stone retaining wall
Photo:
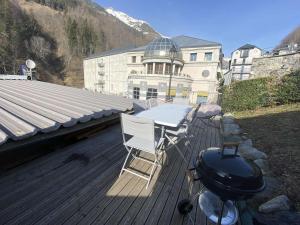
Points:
(275, 65)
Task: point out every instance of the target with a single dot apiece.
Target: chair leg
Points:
(124, 164)
(189, 142)
(151, 173)
(167, 159)
(174, 144)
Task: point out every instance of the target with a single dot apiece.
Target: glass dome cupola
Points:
(160, 48)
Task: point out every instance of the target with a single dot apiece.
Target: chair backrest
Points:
(192, 114)
(152, 102)
(138, 127)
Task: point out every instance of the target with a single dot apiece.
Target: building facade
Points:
(144, 72)
(241, 61)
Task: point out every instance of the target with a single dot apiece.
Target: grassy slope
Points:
(276, 131)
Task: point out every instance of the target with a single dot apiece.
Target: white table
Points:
(169, 115)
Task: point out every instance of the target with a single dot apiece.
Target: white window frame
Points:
(206, 58)
(193, 57)
(136, 93)
(151, 93)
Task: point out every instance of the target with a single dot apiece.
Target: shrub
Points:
(289, 88)
(247, 94)
(250, 94)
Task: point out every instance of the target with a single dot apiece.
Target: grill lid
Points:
(228, 174)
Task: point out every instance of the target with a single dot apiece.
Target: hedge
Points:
(289, 89)
(267, 91)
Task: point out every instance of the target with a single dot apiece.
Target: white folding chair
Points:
(153, 102)
(174, 136)
(139, 135)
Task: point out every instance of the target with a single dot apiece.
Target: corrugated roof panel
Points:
(107, 101)
(77, 99)
(28, 107)
(17, 128)
(42, 123)
(66, 121)
(55, 106)
(3, 137)
(58, 102)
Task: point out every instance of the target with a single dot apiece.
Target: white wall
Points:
(117, 68)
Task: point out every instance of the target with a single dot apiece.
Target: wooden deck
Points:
(79, 185)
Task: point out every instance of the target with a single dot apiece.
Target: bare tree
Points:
(40, 47)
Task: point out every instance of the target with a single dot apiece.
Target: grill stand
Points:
(185, 206)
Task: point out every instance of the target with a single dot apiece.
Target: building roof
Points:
(112, 52)
(182, 41)
(189, 42)
(31, 107)
(247, 46)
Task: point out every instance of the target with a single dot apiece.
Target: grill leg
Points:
(221, 215)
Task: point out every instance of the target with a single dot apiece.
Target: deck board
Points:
(55, 189)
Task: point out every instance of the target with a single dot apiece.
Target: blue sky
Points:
(231, 22)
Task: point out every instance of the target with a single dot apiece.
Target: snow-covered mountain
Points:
(139, 25)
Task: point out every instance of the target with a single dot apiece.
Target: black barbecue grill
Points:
(227, 175)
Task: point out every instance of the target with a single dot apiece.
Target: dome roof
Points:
(160, 48)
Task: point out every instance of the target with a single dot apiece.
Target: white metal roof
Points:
(30, 107)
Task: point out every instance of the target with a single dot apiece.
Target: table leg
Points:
(162, 132)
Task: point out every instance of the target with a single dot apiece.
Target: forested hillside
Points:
(293, 37)
(58, 34)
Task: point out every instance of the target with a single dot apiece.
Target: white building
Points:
(144, 72)
(241, 61)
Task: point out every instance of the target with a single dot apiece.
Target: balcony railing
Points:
(180, 75)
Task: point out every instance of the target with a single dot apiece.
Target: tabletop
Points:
(170, 115)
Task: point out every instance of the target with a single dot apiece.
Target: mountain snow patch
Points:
(132, 22)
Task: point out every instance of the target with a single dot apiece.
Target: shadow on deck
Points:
(80, 185)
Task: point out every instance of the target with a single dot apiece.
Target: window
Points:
(159, 68)
(244, 53)
(136, 93)
(234, 61)
(244, 61)
(142, 58)
(133, 59)
(193, 57)
(202, 97)
(168, 69)
(150, 68)
(176, 70)
(208, 56)
(151, 93)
